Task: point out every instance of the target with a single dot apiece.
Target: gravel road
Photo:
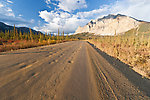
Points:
(74, 70)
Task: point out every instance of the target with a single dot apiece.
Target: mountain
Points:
(111, 24)
(4, 27)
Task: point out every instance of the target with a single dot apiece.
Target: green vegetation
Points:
(12, 40)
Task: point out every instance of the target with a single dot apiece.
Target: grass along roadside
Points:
(132, 50)
(23, 44)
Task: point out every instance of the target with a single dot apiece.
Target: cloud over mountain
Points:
(65, 18)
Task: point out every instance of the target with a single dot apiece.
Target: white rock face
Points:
(109, 25)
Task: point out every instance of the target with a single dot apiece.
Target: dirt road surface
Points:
(68, 71)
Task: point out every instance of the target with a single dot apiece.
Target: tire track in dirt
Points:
(45, 62)
(67, 71)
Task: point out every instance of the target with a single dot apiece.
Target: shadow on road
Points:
(142, 83)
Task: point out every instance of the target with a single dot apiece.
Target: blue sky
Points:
(67, 15)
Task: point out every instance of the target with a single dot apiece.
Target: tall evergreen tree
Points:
(49, 40)
(17, 35)
(6, 37)
(50, 35)
(45, 36)
(31, 35)
(41, 38)
(20, 35)
(14, 36)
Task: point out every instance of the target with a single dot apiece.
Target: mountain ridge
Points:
(110, 25)
(4, 27)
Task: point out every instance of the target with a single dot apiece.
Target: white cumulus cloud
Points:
(5, 10)
(62, 16)
(93, 13)
(7, 15)
(69, 22)
(59, 20)
(135, 8)
(71, 5)
(68, 5)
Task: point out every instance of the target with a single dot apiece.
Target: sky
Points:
(67, 15)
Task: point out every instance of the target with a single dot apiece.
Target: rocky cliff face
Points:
(109, 25)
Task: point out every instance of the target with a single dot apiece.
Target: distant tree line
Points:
(15, 35)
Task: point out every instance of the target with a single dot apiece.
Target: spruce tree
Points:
(6, 35)
(50, 35)
(49, 40)
(20, 35)
(41, 38)
(17, 35)
(31, 35)
(14, 36)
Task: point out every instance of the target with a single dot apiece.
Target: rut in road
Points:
(67, 71)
